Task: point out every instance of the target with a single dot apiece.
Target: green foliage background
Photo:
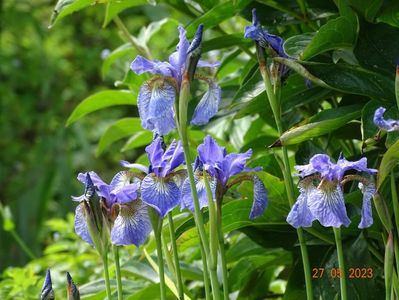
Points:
(349, 49)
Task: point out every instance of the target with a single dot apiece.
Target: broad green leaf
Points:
(67, 7)
(368, 128)
(101, 100)
(295, 45)
(323, 123)
(153, 28)
(121, 51)
(368, 8)
(345, 78)
(141, 270)
(139, 139)
(118, 130)
(346, 55)
(390, 14)
(388, 162)
(216, 15)
(228, 40)
(337, 33)
(115, 7)
(252, 88)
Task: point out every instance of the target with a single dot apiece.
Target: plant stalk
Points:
(106, 276)
(115, 249)
(219, 227)
(341, 262)
(158, 242)
(178, 278)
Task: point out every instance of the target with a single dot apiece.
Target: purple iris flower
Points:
(325, 201)
(388, 125)
(47, 289)
(221, 166)
(263, 38)
(126, 212)
(160, 187)
(157, 96)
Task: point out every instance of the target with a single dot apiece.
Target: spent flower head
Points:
(321, 192)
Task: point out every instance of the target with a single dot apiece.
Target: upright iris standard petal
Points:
(132, 225)
(388, 125)
(129, 165)
(90, 180)
(260, 199)
(155, 104)
(178, 59)
(344, 165)
(142, 65)
(368, 191)
(208, 105)
(163, 194)
(81, 228)
(233, 164)
(327, 205)
(211, 155)
(47, 289)
(300, 214)
(186, 196)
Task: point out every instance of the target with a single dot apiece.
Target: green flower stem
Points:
(219, 227)
(106, 276)
(388, 265)
(341, 262)
(115, 249)
(179, 280)
(213, 239)
(199, 222)
(275, 106)
(206, 274)
(158, 242)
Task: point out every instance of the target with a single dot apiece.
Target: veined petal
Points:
(233, 164)
(211, 154)
(208, 105)
(174, 156)
(132, 225)
(260, 199)
(81, 225)
(367, 213)
(97, 181)
(160, 193)
(155, 104)
(327, 205)
(127, 194)
(120, 180)
(300, 214)
(187, 198)
(178, 59)
(129, 165)
(155, 153)
(345, 165)
(142, 65)
(207, 64)
(388, 125)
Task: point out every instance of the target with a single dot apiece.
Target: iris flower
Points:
(160, 187)
(388, 125)
(214, 160)
(157, 96)
(72, 289)
(121, 203)
(47, 289)
(321, 197)
(263, 38)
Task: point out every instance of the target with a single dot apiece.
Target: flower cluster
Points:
(321, 192)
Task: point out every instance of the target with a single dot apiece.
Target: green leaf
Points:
(139, 139)
(368, 8)
(216, 15)
(101, 100)
(390, 14)
(295, 45)
(345, 78)
(322, 123)
(118, 130)
(388, 162)
(115, 7)
(121, 51)
(228, 40)
(368, 128)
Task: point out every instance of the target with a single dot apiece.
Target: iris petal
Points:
(129, 165)
(367, 216)
(388, 125)
(160, 193)
(178, 59)
(327, 205)
(233, 164)
(300, 214)
(211, 154)
(208, 105)
(260, 199)
(81, 225)
(142, 65)
(187, 199)
(132, 226)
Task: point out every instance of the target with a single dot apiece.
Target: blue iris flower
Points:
(263, 38)
(388, 125)
(47, 289)
(221, 166)
(157, 96)
(121, 202)
(321, 197)
(160, 187)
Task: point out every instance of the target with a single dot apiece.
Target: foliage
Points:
(345, 48)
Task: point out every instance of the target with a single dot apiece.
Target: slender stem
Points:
(213, 244)
(115, 250)
(179, 280)
(132, 40)
(158, 242)
(275, 106)
(206, 274)
(106, 276)
(22, 244)
(341, 262)
(219, 227)
(199, 223)
(395, 204)
(168, 256)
